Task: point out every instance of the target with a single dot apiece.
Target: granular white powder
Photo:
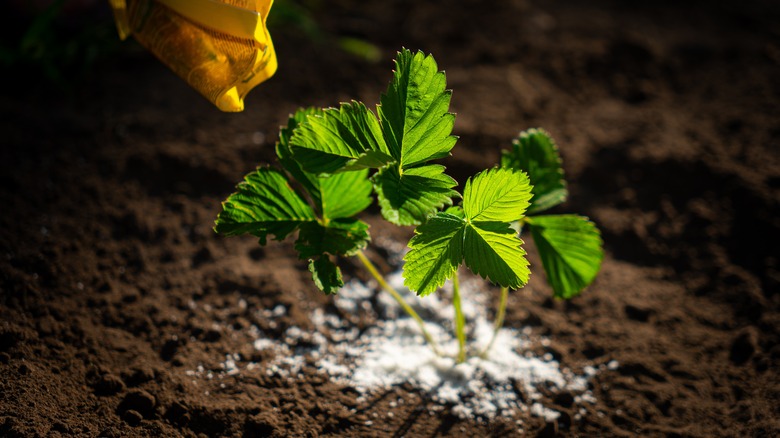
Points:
(506, 381)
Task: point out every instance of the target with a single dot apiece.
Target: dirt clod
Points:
(108, 384)
(132, 417)
(138, 376)
(139, 401)
(263, 424)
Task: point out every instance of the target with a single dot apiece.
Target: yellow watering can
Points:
(220, 47)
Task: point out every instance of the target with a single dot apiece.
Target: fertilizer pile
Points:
(508, 381)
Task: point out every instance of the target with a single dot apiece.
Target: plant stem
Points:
(499, 321)
(460, 320)
(399, 299)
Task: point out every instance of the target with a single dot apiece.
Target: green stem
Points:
(460, 320)
(399, 299)
(499, 321)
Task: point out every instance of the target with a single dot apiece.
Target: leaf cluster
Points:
(412, 126)
(321, 209)
(326, 156)
(569, 245)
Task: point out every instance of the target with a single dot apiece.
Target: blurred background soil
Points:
(113, 285)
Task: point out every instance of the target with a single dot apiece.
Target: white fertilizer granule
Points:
(392, 351)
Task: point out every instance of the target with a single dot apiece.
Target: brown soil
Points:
(114, 286)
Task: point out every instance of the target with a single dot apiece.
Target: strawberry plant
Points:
(332, 160)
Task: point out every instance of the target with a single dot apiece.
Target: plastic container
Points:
(222, 48)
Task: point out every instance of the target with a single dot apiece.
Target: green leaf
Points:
(338, 237)
(414, 111)
(570, 249)
(347, 138)
(535, 153)
(345, 194)
(415, 128)
(480, 235)
(436, 251)
(496, 195)
(410, 198)
(283, 150)
(263, 204)
(492, 250)
(456, 210)
(326, 275)
(338, 196)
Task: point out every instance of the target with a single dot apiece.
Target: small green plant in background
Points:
(332, 160)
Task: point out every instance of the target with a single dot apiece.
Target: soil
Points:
(115, 288)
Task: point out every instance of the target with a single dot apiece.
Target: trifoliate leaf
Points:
(480, 234)
(496, 195)
(570, 249)
(535, 153)
(338, 237)
(417, 128)
(411, 198)
(263, 204)
(492, 250)
(347, 138)
(326, 275)
(436, 252)
(415, 111)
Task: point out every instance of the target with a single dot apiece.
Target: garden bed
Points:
(123, 314)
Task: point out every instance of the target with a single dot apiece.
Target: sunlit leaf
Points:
(496, 195)
(416, 127)
(283, 151)
(344, 138)
(456, 210)
(263, 204)
(480, 235)
(410, 198)
(435, 253)
(414, 111)
(492, 250)
(570, 249)
(338, 196)
(345, 194)
(535, 153)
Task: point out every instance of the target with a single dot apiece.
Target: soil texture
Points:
(119, 305)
